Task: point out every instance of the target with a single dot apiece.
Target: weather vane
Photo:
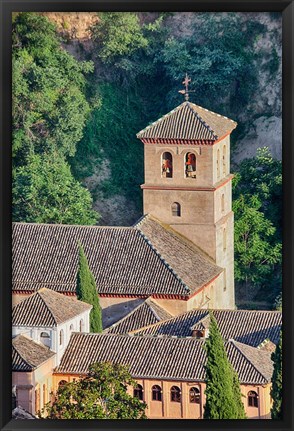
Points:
(186, 84)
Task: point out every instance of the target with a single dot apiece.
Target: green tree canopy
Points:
(223, 394)
(86, 291)
(255, 253)
(102, 394)
(44, 191)
(49, 105)
(277, 382)
(118, 34)
(257, 204)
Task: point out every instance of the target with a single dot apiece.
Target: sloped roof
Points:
(27, 355)
(191, 264)
(47, 308)
(124, 261)
(147, 313)
(160, 358)
(189, 122)
(246, 326)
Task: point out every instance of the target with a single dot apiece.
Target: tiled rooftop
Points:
(246, 326)
(147, 313)
(47, 308)
(189, 122)
(27, 355)
(161, 358)
(130, 261)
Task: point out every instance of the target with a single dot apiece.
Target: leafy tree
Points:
(277, 381)
(219, 58)
(86, 291)
(255, 253)
(257, 204)
(262, 176)
(44, 191)
(49, 105)
(102, 394)
(117, 34)
(223, 394)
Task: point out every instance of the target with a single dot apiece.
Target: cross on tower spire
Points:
(186, 84)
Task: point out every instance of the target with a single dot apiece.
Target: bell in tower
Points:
(188, 184)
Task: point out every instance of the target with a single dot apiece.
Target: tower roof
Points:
(188, 122)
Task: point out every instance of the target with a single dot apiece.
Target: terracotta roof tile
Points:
(27, 355)
(147, 313)
(246, 326)
(190, 264)
(47, 308)
(123, 260)
(189, 122)
(160, 358)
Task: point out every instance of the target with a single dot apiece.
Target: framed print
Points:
(146, 224)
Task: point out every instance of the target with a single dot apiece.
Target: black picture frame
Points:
(287, 9)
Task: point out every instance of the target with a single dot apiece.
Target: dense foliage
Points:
(86, 291)
(257, 204)
(64, 114)
(49, 113)
(44, 191)
(277, 382)
(102, 394)
(223, 394)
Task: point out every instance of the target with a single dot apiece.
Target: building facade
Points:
(188, 184)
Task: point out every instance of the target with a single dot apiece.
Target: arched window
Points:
(61, 337)
(175, 394)
(45, 339)
(194, 395)
(62, 383)
(223, 202)
(225, 239)
(81, 325)
(190, 165)
(224, 161)
(156, 393)
(176, 209)
(138, 392)
(218, 163)
(71, 328)
(252, 399)
(167, 165)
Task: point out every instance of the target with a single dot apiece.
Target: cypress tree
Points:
(223, 394)
(276, 390)
(86, 291)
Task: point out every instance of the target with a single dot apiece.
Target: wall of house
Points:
(167, 409)
(33, 388)
(72, 325)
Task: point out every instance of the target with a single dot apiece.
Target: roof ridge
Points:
(46, 305)
(167, 265)
(21, 356)
(212, 112)
(160, 119)
(235, 344)
(72, 225)
(124, 318)
(201, 119)
(182, 238)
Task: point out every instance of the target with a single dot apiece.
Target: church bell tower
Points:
(188, 184)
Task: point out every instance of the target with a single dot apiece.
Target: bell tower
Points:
(188, 184)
